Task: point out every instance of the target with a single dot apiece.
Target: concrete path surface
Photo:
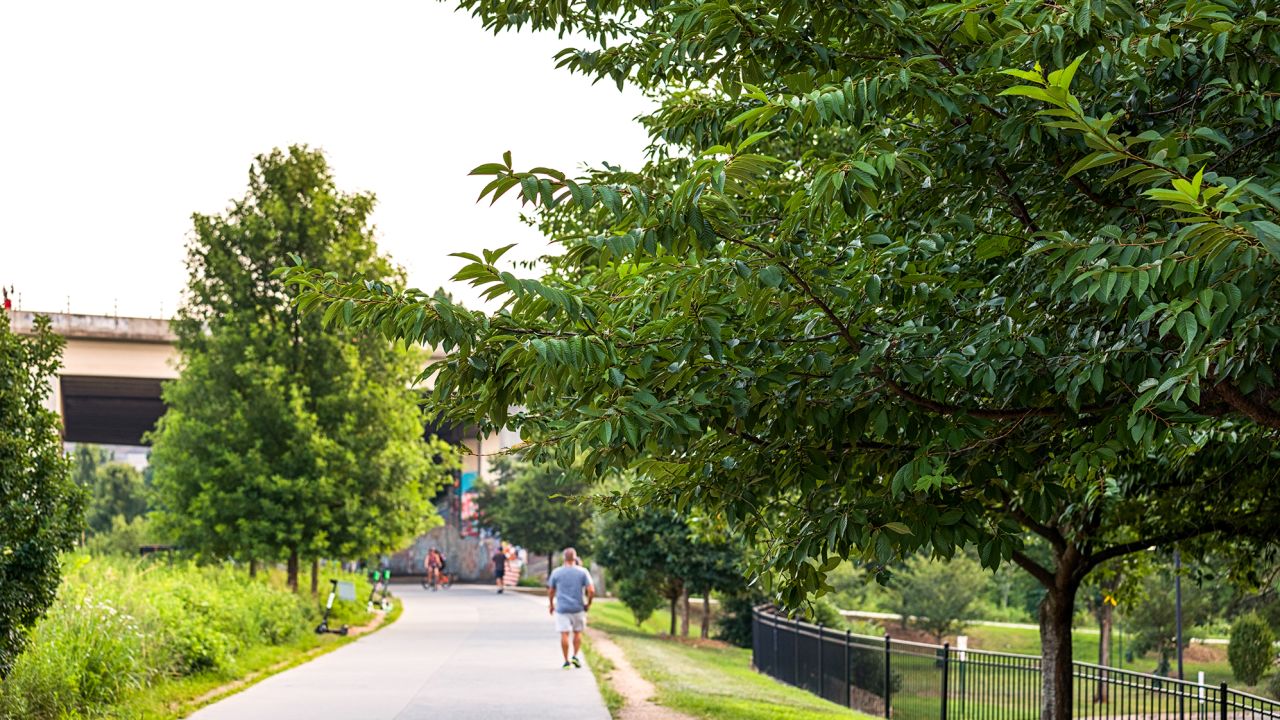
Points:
(465, 653)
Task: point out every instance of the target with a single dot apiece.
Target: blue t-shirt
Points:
(570, 582)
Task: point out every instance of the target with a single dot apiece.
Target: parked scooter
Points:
(381, 580)
(348, 593)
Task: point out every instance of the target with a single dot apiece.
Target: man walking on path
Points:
(499, 566)
(570, 590)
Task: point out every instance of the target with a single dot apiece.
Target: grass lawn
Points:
(706, 682)
(1084, 646)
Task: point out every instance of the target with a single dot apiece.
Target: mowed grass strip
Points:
(708, 682)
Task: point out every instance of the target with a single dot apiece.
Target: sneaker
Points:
(499, 591)
(576, 662)
(565, 665)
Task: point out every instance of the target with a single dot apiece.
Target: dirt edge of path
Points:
(235, 686)
(637, 693)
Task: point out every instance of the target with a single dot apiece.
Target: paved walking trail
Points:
(465, 653)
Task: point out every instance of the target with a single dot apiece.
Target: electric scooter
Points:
(323, 627)
(386, 589)
(385, 602)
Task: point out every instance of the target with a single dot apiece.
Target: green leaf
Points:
(1187, 327)
(898, 528)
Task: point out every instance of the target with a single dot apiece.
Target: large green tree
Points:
(282, 439)
(901, 276)
(538, 507)
(41, 508)
(118, 491)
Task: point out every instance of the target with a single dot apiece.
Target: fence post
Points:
(822, 678)
(848, 681)
(946, 662)
(888, 684)
(795, 652)
(1222, 701)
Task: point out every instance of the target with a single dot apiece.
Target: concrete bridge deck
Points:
(465, 653)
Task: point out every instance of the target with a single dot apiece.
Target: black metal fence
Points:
(918, 681)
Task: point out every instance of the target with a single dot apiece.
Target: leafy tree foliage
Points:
(534, 506)
(1250, 652)
(901, 276)
(938, 597)
(640, 551)
(118, 491)
(41, 509)
(655, 553)
(86, 459)
(1151, 616)
(282, 439)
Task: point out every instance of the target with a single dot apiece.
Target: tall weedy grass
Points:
(120, 625)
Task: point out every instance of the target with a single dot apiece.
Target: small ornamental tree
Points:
(900, 276)
(938, 596)
(1251, 651)
(41, 508)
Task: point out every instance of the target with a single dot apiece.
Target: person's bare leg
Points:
(577, 643)
(564, 645)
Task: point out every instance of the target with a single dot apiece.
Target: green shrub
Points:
(1273, 686)
(1250, 650)
(825, 613)
(733, 622)
(122, 623)
(124, 538)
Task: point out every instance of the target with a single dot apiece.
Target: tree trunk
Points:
(550, 558)
(315, 576)
(292, 569)
(706, 615)
(1055, 650)
(1105, 611)
(684, 612)
(674, 598)
(253, 569)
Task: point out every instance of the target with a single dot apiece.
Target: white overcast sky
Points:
(118, 120)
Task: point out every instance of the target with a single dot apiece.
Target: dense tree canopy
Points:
(41, 508)
(901, 276)
(537, 507)
(118, 491)
(283, 439)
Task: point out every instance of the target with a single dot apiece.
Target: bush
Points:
(825, 613)
(734, 622)
(124, 537)
(1250, 650)
(1273, 686)
(121, 624)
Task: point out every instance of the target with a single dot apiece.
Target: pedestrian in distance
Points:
(499, 567)
(570, 591)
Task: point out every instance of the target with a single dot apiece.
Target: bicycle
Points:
(437, 581)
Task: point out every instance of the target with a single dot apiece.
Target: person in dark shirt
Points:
(499, 567)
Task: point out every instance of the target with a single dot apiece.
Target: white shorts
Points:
(575, 622)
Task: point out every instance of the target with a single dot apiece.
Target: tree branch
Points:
(1256, 412)
(1047, 532)
(1038, 571)
(1095, 559)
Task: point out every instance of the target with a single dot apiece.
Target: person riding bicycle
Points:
(435, 566)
